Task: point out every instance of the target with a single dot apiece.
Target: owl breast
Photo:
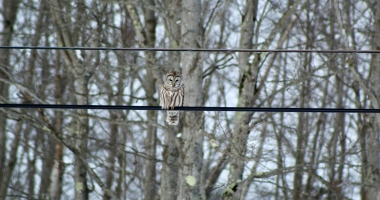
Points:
(171, 97)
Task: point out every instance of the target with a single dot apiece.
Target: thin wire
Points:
(236, 109)
(186, 49)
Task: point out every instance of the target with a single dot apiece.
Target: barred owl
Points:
(172, 95)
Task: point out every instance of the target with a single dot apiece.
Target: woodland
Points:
(134, 154)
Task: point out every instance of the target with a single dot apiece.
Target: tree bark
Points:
(373, 146)
(150, 184)
(247, 89)
(10, 9)
(147, 38)
(56, 175)
(12, 161)
(81, 75)
(170, 155)
(190, 173)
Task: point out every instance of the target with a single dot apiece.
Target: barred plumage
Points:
(172, 95)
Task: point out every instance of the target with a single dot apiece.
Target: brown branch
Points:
(51, 129)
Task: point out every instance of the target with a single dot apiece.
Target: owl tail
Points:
(172, 117)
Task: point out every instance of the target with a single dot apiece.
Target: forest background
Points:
(129, 154)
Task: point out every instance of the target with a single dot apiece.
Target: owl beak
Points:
(173, 84)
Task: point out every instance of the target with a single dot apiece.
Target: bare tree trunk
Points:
(9, 12)
(303, 127)
(81, 75)
(112, 150)
(334, 174)
(332, 146)
(40, 139)
(81, 130)
(10, 9)
(170, 154)
(147, 38)
(31, 179)
(56, 175)
(373, 147)
(8, 169)
(362, 137)
(150, 188)
(150, 142)
(190, 173)
(247, 89)
(114, 129)
(302, 131)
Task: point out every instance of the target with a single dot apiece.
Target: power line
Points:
(236, 109)
(195, 50)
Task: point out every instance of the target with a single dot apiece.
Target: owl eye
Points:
(170, 80)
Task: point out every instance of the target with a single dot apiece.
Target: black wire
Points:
(236, 109)
(204, 50)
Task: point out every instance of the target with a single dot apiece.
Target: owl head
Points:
(173, 79)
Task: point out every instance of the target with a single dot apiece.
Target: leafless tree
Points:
(129, 154)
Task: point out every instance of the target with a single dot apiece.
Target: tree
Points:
(170, 154)
(247, 90)
(190, 172)
(7, 165)
(134, 154)
(372, 166)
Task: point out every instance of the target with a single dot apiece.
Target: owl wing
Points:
(182, 94)
(163, 93)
